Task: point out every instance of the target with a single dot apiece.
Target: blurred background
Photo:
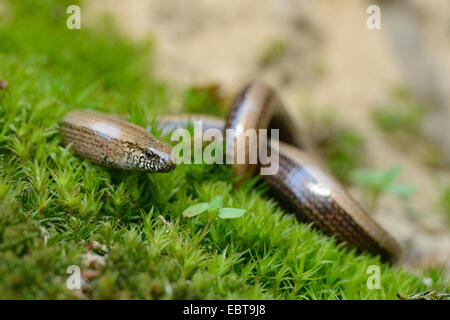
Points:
(376, 102)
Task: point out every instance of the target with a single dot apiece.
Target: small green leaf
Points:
(196, 209)
(231, 213)
(216, 203)
(402, 190)
(366, 177)
(388, 176)
(373, 179)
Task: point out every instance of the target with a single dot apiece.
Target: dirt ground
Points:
(332, 59)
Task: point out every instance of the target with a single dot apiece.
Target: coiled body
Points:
(301, 183)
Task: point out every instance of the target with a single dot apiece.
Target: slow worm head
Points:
(108, 140)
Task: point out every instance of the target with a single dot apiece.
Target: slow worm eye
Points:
(148, 154)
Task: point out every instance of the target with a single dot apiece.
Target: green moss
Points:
(205, 100)
(52, 204)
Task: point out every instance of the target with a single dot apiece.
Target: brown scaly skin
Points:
(110, 141)
(315, 196)
(302, 183)
(245, 113)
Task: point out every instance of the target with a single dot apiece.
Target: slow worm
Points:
(301, 183)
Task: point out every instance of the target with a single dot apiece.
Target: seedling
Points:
(375, 183)
(214, 209)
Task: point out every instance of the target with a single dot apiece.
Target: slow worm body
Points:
(301, 183)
